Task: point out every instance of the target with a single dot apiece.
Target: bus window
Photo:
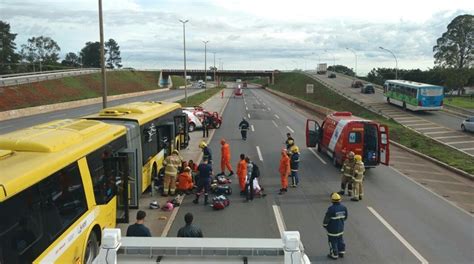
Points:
(354, 137)
(34, 218)
(150, 141)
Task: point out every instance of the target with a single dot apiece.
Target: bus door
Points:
(166, 138)
(313, 131)
(181, 128)
(122, 175)
(384, 151)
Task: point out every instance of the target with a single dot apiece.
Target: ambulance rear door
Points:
(313, 131)
(384, 143)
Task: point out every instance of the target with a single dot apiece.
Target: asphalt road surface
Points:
(439, 125)
(397, 222)
(27, 121)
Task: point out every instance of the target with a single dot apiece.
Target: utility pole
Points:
(205, 62)
(214, 66)
(184, 52)
(102, 58)
(396, 61)
(355, 69)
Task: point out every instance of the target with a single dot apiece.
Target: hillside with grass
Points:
(294, 83)
(77, 88)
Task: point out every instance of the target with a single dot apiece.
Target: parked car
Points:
(332, 75)
(196, 116)
(193, 121)
(357, 84)
(367, 88)
(468, 124)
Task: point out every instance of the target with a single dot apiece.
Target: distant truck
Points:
(322, 68)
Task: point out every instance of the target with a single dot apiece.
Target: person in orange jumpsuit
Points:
(225, 158)
(185, 181)
(242, 173)
(284, 171)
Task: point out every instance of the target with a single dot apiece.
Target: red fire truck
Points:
(341, 132)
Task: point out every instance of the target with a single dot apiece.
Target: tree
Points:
(8, 56)
(455, 48)
(113, 54)
(342, 69)
(91, 55)
(41, 49)
(71, 60)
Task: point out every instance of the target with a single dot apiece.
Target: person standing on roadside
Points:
(290, 142)
(189, 230)
(284, 171)
(333, 222)
(205, 125)
(294, 165)
(225, 158)
(242, 173)
(171, 164)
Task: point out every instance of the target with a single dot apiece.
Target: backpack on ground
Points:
(220, 202)
(219, 189)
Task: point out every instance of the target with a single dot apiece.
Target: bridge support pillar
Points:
(165, 82)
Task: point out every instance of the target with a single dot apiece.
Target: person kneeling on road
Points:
(185, 181)
(203, 180)
(334, 225)
(358, 178)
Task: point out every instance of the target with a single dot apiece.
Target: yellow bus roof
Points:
(29, 155)
(142, 112)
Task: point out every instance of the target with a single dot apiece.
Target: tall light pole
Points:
(355, 54)
(184, 53)
(205, 61)
(102, 58)
(214, 68)
(396, 61)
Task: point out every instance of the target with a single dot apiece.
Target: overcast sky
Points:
(245, 34)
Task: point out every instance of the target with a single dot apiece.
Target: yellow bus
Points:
(61, 184)
(154, 129)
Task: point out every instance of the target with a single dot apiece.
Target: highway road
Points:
(439, 125)
(397, 222)
(27, 121)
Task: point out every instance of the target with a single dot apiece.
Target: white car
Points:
(193, 121)
(468, 124)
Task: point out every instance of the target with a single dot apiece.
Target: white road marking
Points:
(289, 128)
(246, 108)
(459, 142)
(464, 149)
(259, 153)
(428, 128)
(277, 116)
(437, 132)
(273, 121)
(264, 104)
(317, 156)
(279, 219)
(253, 129)
(422, 124)
(269, 109)
(58, 115)
(448, 137)
(408, 117)
(409, 121)
(398, 236)
(248, 115)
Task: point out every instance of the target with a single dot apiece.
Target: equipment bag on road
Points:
(220, 202)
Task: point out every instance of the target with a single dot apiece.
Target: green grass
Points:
(295, 85)
(462, 102)
(199, 98)
(177, 81)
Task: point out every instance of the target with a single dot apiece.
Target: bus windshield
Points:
(433, 91)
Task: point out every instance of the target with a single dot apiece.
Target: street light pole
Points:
(205, 62)
(184, 54)
(396, 61)
(355, 69)
(214, 68)
(102, 58)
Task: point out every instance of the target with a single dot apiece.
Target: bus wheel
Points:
(92, 248)
(404, 106)
(388, 100)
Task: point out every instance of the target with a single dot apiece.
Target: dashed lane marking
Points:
(259, 153)
(269, 109)
(277, 116)
(246, 108)
(317, 156)
(279, 219)
(289, 128)
(248, 115)
(398, 236)
(253, 129)
(273, 121)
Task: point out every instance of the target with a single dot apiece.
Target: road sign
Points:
(309, 88)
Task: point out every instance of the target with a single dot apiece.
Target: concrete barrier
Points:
(67, 105)
(323, 111)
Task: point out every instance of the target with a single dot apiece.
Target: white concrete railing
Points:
(17, 79)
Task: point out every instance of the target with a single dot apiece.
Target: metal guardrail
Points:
(42, 76)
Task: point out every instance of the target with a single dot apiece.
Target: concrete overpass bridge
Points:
(165, 74)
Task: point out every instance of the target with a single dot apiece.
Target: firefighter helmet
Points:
(358, 157)
(175, 151)
(350, 155)
(295, 149)
(335, 197)
(202, 144)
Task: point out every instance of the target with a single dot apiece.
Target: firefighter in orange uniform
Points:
(225, 158)
(284, 171)
(242, 173)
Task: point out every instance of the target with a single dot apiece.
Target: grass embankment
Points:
(462, 102)
(295, 85)
(199, 98)
(177, 81)
(75, 88)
